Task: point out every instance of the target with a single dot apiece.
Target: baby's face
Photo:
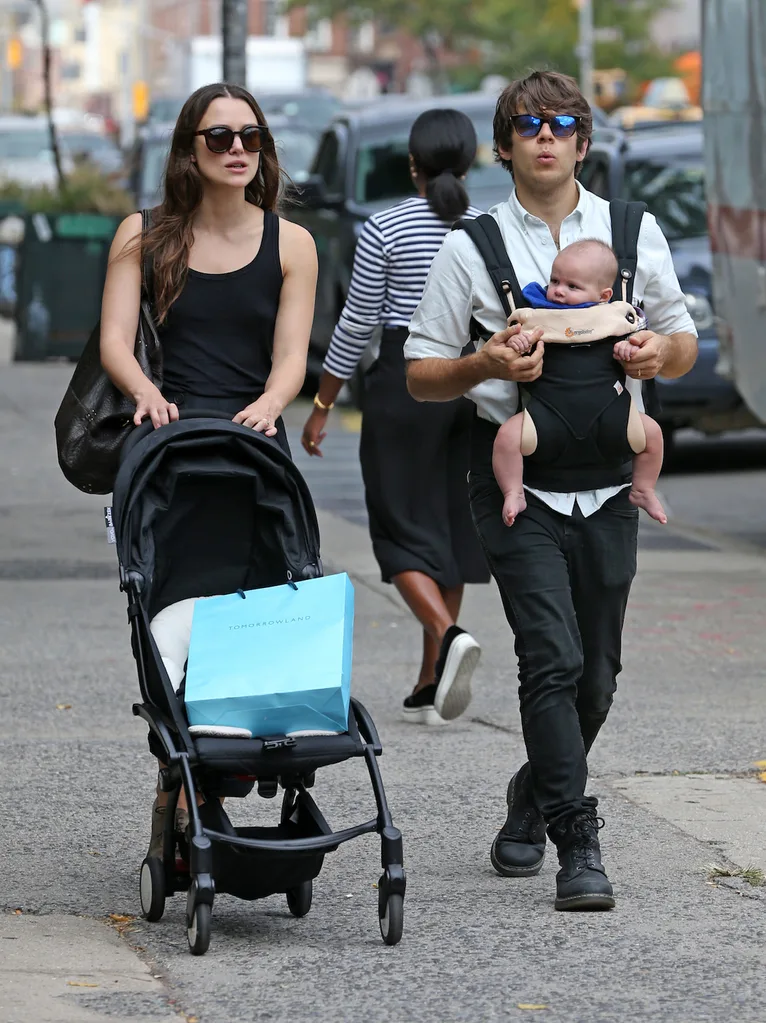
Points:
(573, 280)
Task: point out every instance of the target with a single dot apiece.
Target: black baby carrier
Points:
(579, 404)
(205, 506)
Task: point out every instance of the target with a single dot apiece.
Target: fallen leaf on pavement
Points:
(63, 706)
(529, 1005)
(18, 912)
(80, 983)
(760, 763)
(120, 918)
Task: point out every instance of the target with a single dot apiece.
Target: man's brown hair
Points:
(541, 92)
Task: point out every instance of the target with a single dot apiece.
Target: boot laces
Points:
(585, 828)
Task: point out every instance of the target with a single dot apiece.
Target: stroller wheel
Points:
(299, 899)
(392, 919)
(198, 930)
(152, 888)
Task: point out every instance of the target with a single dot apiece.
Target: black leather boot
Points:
(581, 884)
(519, 849)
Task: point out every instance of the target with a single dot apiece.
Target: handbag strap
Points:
(147, 264)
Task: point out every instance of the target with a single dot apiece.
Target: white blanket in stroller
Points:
(171, 629)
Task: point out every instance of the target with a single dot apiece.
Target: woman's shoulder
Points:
(128, 232)
(292, 233)
(401, 211)
(297, 249)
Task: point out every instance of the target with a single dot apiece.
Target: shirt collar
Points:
(524, 217)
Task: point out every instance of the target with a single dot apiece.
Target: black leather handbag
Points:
(95, 418)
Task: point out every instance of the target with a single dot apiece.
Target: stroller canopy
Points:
(205, 506)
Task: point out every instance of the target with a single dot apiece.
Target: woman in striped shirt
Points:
(414, 456)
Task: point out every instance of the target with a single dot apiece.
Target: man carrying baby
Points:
(565, 568)
(581, 277)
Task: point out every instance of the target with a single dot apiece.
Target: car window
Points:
(295, 150)
(327, 164)
(382, 167)
(595, 177)
(24, 144)
(673, 190)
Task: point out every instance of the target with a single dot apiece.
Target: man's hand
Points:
(648, 354)
(503, 362)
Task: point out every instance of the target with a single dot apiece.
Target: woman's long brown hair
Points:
(168, 243)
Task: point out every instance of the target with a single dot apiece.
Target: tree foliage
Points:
(521, 34)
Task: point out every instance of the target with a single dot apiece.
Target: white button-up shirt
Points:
(459, 287)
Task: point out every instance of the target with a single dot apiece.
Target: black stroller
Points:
(205, 506)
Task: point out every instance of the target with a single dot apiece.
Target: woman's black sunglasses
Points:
(563, 126)
(220, 139)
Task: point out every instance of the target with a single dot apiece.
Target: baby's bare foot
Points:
(648, 500)
(513, 505)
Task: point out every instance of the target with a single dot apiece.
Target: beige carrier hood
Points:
(568, 326)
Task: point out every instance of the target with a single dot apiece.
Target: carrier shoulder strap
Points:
(626, 220)
(484, 232)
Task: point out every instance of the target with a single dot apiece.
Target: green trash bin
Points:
(61, 270)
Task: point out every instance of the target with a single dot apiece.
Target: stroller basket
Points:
(174, 491)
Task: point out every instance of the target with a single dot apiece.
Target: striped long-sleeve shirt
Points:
(393, 256)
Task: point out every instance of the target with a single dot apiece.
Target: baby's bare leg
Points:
(646, 471)
(508, 466)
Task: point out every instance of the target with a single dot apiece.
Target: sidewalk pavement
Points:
(66, 969)
(674, 771)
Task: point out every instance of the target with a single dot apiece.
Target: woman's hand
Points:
(314, 431)
(149, 402)
(261, 415)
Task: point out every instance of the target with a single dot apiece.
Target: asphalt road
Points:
(76, 778)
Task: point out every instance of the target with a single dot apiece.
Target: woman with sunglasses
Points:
(233, 287)
(233, 283)
(414, 456)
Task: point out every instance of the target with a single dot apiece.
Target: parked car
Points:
(25, 153)
(26, 156)
(664, 167)
(361, 166)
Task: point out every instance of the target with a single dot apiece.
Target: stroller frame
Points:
(291, 853)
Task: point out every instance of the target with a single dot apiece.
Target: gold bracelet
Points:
(324, 408)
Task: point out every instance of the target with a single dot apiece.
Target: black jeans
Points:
(564, 581)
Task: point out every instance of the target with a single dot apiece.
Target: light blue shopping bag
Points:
(277, 661)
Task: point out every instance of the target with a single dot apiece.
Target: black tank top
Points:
(218, 337)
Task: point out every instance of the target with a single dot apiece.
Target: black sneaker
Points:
(519, 849)
(458, 658)
(581, 884)
(419, 708)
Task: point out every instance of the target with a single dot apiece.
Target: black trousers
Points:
(564, 581)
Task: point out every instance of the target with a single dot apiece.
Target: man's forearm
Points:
(444, 379)
(682, 355)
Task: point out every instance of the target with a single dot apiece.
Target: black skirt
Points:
(415, 459)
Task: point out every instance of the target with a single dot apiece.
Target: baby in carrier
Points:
(581, 279)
